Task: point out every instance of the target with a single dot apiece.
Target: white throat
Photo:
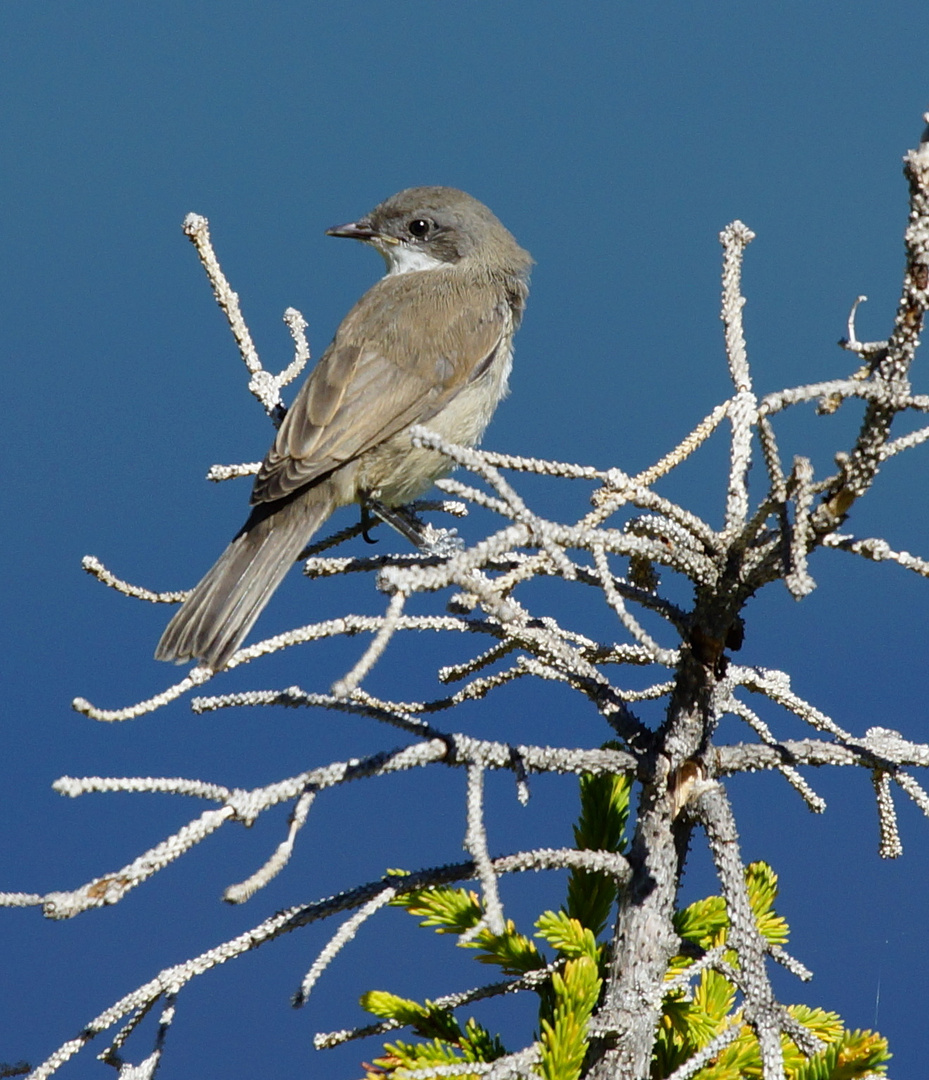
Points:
(402, 259)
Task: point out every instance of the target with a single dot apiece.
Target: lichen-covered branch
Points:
(609, 562)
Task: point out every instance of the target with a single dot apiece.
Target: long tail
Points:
(221, 610)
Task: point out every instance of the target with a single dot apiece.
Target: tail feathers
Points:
(214, 619)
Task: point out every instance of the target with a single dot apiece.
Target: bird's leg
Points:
(367, 522)
(428, 539)
(400, 518)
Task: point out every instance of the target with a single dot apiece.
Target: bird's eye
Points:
(418, 227)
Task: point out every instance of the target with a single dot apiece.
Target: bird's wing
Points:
(401, 354)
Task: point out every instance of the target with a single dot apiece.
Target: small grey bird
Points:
(431, 343)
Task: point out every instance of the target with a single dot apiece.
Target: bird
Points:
(430, 343)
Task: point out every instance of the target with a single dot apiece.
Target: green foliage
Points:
(703, 923)
(690, 1018)
(849, 1055)
(563, 1040)
(601, 826)
(511, 951)
(761, 882)
(854, 1054)
(472, 1044)
(449, 911)
(567, 935)
(425, 1019)
(690, 1021)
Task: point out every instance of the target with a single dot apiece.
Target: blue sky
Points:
(615, 141)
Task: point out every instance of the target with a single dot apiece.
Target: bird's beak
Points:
(354, 230)
(361, 229)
